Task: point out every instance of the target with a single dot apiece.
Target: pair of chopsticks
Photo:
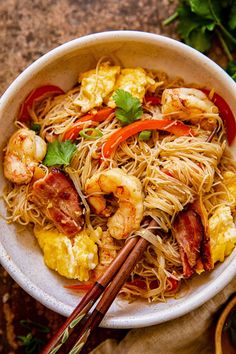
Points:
(115, 276)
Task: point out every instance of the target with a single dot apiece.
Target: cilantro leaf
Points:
(200, 8)
(129, 108)
(232, 17)
(199, 21)
(231, 69)
(200, 39)
(35, 127)
(195, 30)
(31, 344)
(59, 153)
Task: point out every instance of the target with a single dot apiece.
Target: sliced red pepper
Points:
(226, 115)
(153, 100)
(175, 127)
(167, 172)
(36, 95)
(139, 283)
(98, 117)
(79, 287)
(173, 284)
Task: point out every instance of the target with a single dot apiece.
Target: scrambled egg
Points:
(96, 85)
(135, 81)
(229, 179)
(222, 233)
(72, 258)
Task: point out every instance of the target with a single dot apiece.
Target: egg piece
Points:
(72, 258)
(222, 232)
(96, 85)
(229, 179)
(135, 81)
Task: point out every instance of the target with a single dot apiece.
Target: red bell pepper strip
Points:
(172, 284)
(153, 100)
(175, 127)
(226, 115)
(139, 283)
(36, 95)
(79, 287)
(100, 116)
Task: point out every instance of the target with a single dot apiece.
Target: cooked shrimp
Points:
(190, 104)
(127, 189)
(24, 151)
(107, 252)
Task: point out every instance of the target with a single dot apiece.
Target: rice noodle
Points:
(173, 171)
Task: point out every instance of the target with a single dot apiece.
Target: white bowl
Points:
(19, 253)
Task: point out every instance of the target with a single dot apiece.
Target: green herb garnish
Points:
(128, 107)
(35, 127)
(29, 324)
(31, 342)
(94, 133)
(200, 21)
(145, 135)
(231, 69)
(59, 153)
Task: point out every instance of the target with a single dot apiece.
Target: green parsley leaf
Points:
(35, 127)
(59, 153)
(129, 108)
(201, 8)
(200, 39)
(232, 17)
(194, 29)
(231, 69)
(31, 324)
(31, 344)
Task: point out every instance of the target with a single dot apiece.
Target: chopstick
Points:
(116, 274)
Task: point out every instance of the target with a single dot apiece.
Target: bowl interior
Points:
(19, 252)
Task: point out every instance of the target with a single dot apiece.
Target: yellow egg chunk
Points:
(222, 233)
(135, 81)
(96, 85)
(229, 179)
(72, 258)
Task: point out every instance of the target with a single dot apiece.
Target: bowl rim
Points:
(36, 292)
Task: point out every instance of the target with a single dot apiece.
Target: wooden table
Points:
(29, 29)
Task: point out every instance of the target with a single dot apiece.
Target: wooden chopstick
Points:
(89, 298)
(109, 295)
(119, 271)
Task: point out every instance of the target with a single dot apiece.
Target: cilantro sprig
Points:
(32, 341)
(200, 21)
(128, 107)
(59, 153)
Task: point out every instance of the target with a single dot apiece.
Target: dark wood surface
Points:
(29, 29)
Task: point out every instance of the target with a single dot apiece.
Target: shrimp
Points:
(128, 191)
(24, 151)
(190, 104)
(107, 252)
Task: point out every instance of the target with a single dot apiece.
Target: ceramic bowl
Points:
(19, 252)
